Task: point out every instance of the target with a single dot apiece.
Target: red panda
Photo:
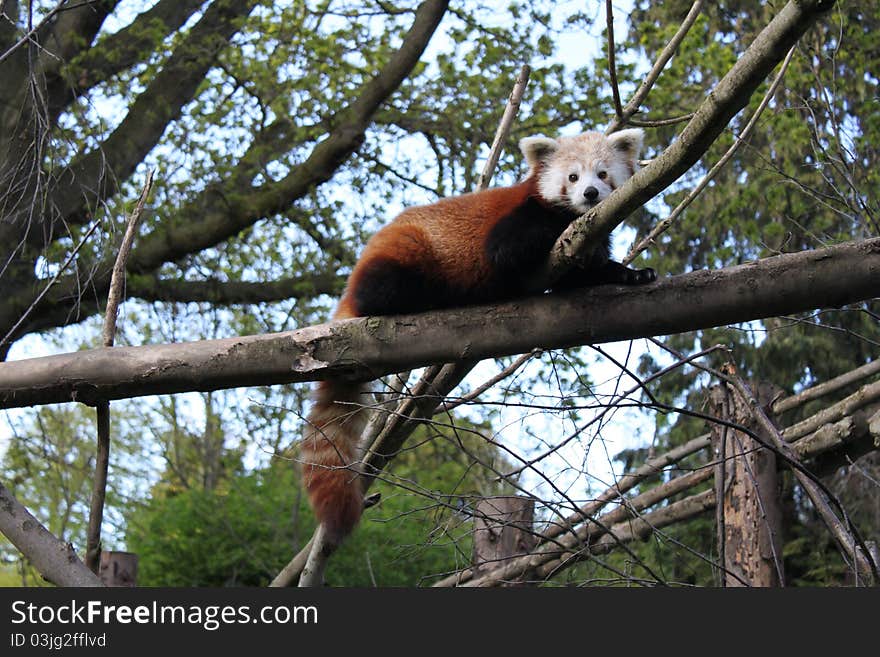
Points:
(475, 248)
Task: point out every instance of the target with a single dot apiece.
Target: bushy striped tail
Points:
(329, 453)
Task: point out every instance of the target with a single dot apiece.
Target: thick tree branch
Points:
(62, 306)
(69, 34)
(827, 387)
(152, 288)
(371, 347)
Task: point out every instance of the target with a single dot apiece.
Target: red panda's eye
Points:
(602, 175)
(573, 177)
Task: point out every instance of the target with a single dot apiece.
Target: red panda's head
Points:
(577, 172)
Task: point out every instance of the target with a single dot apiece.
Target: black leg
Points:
(608, 272)
(614, 272)
(386, 287)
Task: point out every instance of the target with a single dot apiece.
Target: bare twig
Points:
(659, 123)
(666, 54)
(634, 529)
(67, 261)
(117, 279)
(555, 554)
(102, 456)
(33, 29)
(612, 65)
(629, 481)
(447, 406)
(510, 111)
(821, 438)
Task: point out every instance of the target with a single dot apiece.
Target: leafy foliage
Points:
(242, 532)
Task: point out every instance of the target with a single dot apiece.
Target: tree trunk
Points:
(749, 511)
(118, 568)
(502, 531)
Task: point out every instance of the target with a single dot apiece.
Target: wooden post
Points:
(502, 531)
(118, 568)
(748, 511)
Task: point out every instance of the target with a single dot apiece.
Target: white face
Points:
(578, 172)
(580, 184)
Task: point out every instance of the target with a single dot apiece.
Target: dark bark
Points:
(123, 49)
(228, 207)
(98, 174)
(371, 347)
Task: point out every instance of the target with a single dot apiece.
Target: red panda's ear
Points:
(628, 143)
(537, 150)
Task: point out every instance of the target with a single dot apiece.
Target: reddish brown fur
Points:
(465, 249)
(446, 237)
(328, 451)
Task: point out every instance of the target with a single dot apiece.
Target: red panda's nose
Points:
(591, 193)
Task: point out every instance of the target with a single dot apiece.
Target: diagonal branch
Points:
(123, 49)
(385, 433)
(215, 216)
(53, 558)
(553, 556)
(739, 139)
(833, 385)
(102, 457)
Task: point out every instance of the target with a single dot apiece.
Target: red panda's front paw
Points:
(641, 276)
